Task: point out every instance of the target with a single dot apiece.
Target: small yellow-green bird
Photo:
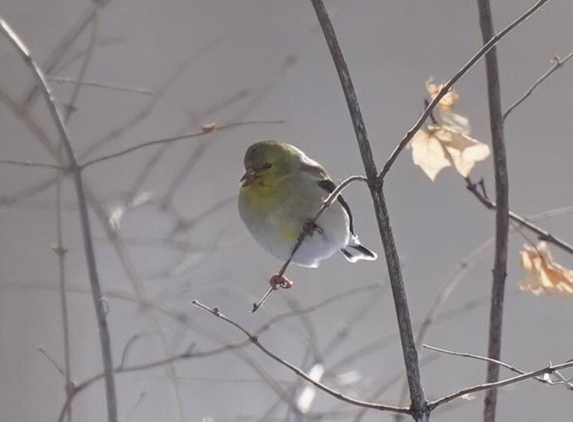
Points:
(281, 192)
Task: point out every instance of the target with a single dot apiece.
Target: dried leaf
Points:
(428, 153)
(448, 101)
(544, 275)
(447, 142)
(464, 152)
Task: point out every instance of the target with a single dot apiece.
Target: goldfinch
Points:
(281, 192)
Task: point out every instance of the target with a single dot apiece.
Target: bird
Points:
(280, 194)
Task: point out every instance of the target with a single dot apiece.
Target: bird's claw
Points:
(310, 227)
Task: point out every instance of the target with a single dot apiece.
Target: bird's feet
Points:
(280, 282)
(310, 227)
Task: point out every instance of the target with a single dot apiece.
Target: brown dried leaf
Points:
(544, 275)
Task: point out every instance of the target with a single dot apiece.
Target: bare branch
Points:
(69, 38)
(419, 405)
(491, 43)
(174, 139)
(61, 252)
(31, 164)
(503, 383)
(71, 106)
(541, 233)
(52, 361)
(542, 379)
(65, 80)
(253, 339)
(84, 217)
(558, 63)
(502, 210)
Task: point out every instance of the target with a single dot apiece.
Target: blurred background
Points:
(167, 230)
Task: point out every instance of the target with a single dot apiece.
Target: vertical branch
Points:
(502, 211)
(61, 253)
(419, 405)
(75, 169)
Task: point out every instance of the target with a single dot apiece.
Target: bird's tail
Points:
(355, 251)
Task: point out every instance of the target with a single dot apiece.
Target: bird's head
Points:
(267, 162)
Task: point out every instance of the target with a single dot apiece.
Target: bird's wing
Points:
(316, 171)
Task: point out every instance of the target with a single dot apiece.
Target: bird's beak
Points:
(248, 178)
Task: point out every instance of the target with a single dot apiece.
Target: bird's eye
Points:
(267, 166)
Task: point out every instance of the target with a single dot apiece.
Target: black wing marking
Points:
(329, 186)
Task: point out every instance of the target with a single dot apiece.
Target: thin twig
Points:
(53, 362)
(71, 106)
(542, 234)
(419, 405)
(64, 80)
(503, 383)
(558, 63)
(491, 42)
(69, 38)
(325, 205)
(31, 164)
(254, 340)
(174, 139)
(512, 368)
(501, 212)
(84, 217)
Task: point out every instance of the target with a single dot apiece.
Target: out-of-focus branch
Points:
(558, 63)
(174, 139)
(71, 105)
(491, 43)
(503, 383)
(65, 80)
(502, 210)
(254, 340)
(84, 217)
(419, 404)
(123, 368)
(542, 234)
(61, 49)
(32, 164)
